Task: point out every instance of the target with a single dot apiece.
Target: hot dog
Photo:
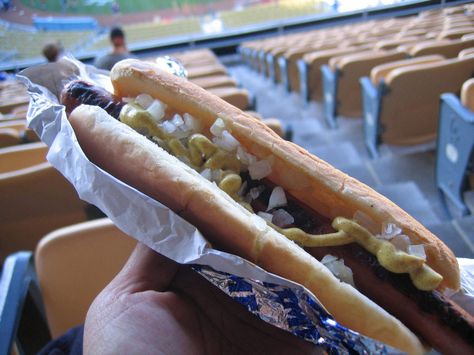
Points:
(255, 172)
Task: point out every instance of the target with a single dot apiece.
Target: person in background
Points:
(51, 51)
(119, 50)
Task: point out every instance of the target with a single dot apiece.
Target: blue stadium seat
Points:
(454, 158)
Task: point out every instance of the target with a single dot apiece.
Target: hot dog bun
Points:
(142, 164)
(311, 180)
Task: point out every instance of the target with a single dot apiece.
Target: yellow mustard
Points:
(141, 121)
(202, 153)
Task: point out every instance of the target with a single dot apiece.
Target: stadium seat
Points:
(309, 68)
(9, 137)
(36, 198)
(342, 94)
(402, 109)
(455, 146)
(456, 33)
(74, 264)
(51, 292)
(206, 70)
(447, 48)
(16, 132)
(379, 72)
(214, 81)
(394, 43)
(290, 76)
(237, 97)
(466, 52)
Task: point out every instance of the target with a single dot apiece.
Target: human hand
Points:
(155, 305)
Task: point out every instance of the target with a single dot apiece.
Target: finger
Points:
(145, 270)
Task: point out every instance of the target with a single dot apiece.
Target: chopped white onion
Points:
(339, 269)
(191, 123)
(389, 230)
(156, 110)
(144, 100)
(281, 218)
(256, 191)
(216, 174)
(168, 127)
(226, 141)
(259, 222)
(266, 216)
(242, 189)
(244, 157)
(207, 174)
(128, 99)
(417, 250)
(366, 221)
(449, 292)
(401, 242)
(277, 198)
(177, 120)
(217, 127)
(260, 169)
(328, 259)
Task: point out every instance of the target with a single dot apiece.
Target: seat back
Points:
(315, 60)
(206, 70)
(215, 81)
(9, 137)
(446, 48)
(18, 133)
(381, 71)
(35, 200)
(394, 43)
(74, 264)
(409, 110)
(351, 68)
(456, 32)
(237, 97)
(22, 156)
(466, 52)
(293, 55)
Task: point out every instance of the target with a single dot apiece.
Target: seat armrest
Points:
(21, 306)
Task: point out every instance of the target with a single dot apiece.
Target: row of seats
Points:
(329, 70)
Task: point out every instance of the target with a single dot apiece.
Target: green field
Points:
(104, 7)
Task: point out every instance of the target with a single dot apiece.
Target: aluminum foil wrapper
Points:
(172, 65)
(277, 301)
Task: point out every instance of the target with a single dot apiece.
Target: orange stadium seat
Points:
(404, 111)
(342, 94)
(214, 81)
(310, 68)
(36, 198)
(73, 264)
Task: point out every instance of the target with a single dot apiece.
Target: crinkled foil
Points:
(294, 310)
(277, 301)
(172, 65)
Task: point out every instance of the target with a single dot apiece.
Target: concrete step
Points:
(339, 155)
(408, 196)
(417, 167)
(458, 235)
